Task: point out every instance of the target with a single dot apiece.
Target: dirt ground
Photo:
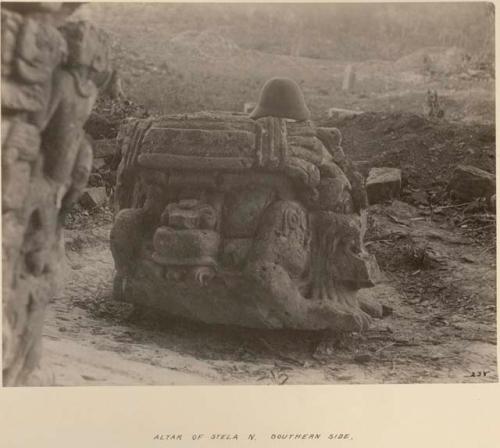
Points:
(440, 285)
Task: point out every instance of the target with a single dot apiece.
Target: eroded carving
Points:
(225, 219)
(50, 80)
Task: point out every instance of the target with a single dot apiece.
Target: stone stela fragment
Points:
(51, 73)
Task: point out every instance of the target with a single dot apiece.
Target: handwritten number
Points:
(479, 373)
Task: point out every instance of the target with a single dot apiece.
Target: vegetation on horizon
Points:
(353, 32)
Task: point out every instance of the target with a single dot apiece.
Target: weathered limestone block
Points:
(383, 184)
(48, 90)
(252, 223)
(468, 183)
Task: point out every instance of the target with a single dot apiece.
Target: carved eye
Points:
(294, 220)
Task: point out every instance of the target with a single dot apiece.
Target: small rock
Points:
(362, 358)
(341, 114)
(93, 197)
(88, 378)
(469, 182)
(383, 184)
(493, 203)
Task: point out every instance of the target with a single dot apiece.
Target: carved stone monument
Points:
(251, 222)
(50, 80)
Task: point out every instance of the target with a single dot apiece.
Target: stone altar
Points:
(228, 220)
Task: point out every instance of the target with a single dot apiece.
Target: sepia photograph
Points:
(248, 194)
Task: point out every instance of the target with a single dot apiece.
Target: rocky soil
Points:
(439, 283)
